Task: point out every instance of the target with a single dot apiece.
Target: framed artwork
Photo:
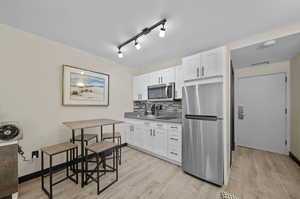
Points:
(84, 87)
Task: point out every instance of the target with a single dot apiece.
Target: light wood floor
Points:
(255, 175)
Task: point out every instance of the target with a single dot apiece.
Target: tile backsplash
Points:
(173, 106)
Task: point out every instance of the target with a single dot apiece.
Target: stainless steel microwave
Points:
(161, 92)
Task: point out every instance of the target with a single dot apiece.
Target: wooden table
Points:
(85, 124)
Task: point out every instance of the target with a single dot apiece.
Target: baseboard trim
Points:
(295, 158)
(37, 174)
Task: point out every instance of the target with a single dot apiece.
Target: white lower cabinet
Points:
(161, 139)
(174, 142)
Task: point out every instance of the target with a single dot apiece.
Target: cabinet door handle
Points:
(198, 72)
(202, 71)
(173, 127)
(174, 153)
(162, 79)
(174, 139)
(153, 132)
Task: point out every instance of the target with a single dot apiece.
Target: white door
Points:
(261, 113)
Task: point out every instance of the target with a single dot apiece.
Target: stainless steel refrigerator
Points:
(202, 137)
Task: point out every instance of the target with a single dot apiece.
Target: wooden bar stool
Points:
(53, 150)
(106, 136)
(101, 150)
(86, 138)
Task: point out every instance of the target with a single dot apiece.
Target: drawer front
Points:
(174, 155)
(174, 131)
(174, 150)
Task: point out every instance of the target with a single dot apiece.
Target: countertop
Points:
(172, 118)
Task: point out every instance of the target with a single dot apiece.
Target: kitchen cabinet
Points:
(191, 66)
(179, 81)
(212, 62)
(174, 142)
(163, 76)
(204, 65)
(130, 138)
(157, 138)
(148, 138)
(160, 139)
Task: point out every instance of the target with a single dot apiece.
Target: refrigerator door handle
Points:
(203, 117)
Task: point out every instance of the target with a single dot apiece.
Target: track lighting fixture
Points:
(137, 45)
(162, 32)
(145, 31)
(120, 54)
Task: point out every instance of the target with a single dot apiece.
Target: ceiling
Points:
(284, 49)
(193, 25)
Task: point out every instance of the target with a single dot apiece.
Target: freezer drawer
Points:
(202, 151)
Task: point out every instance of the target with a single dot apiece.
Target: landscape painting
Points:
(83, 87)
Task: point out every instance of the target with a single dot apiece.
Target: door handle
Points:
(198, 72)
(202, 71)
(241, 113)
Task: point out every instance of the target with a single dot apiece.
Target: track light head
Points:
(162, 32)
(137, 45)
(120, 54)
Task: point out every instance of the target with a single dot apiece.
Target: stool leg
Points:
(86, 166)
(117, 167)
(76, 164)
(67, 157)
(104, 163)
(114, 158)
(120, 154)
(73, 141)
(50, 173)
(42, 165)
(97, 168)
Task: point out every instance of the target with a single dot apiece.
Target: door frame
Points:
(287, 96)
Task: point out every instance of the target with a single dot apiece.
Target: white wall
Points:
(295, 106)
(30, 87)
(227, 116)
(263, 69)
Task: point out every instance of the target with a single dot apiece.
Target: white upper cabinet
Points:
(154, 78)
(179, 80)
(204, 65)
(163, 76)
(191, 67)
(212, 62)
(168, 75)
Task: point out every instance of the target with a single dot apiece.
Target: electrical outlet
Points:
(35, 154)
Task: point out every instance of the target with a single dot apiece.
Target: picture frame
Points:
(82, 87)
